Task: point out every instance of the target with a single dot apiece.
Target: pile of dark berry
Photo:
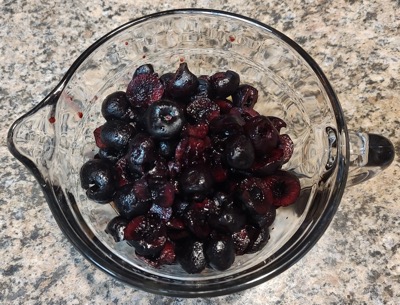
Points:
(192, 169)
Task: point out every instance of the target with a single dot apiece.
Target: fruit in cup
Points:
(194, 171)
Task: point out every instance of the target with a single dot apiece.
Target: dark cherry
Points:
(167, 255)
(184, 82)
(262, 133)
(241, 241)
(196, 182)
(141, 153)
(144, 89)
(147, 234)
(116, 134)
(98, 178)
(259, 237)
(117, 107)
(202, 109)
(196, 219)
(97, 137)
(133, 199)
(269, 164)
(167, 148)
(162, 193)
(199, 130)
(225, 106)
(240, 152)
(230, 220)
(287, 146)
(284, 188)
(224, 84)
(245, 96)
(222, 128)
(159, 172)
(164, 119)
(204, 87)
(144, 69)
(110, 154)
(278, 123)
(264, 220)
(220, 252)
(163, 213)
(254, 196)
(165, 79)
(190, 255)
(116, 228)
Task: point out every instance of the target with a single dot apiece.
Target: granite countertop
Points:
(356, 43)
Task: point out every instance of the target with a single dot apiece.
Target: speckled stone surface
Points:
(356, 43)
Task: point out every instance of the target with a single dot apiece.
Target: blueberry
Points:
(116, 228)
(225, 84)
(98, 178)
(240, 153)
(116, 134)
(184, 82)
(132, 200)
(164, 119)
(220, 252)
(117, 107)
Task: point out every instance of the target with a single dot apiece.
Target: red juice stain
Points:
(126, 43)
(80, 114)
(182, 59)
(144, 56)
(52, 120)
(232, 38)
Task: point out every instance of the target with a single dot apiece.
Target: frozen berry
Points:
(202, 109)
(262, 133)
(278, 123)
(162, 193)
(144, 89)
(147, 234)
(133, 199)
(220, 252)
(258, 239)
(196, 182)
(225, 83)
(110, 154)
(116, 228)
(184, 82)
(254, 197)
(269, 164)
(196, 219)
(116, 134)
(204, 87)
(190, 254)
(286, 144)
(164, 119)
(98, 178)
(231, 219)
(141, 154)
(144, 69)
(241, 241)
(117, 107)
(245, 96)
(240, 152)
(167, 148)
(284, 188)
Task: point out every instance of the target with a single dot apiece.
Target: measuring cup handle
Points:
(369, 155)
